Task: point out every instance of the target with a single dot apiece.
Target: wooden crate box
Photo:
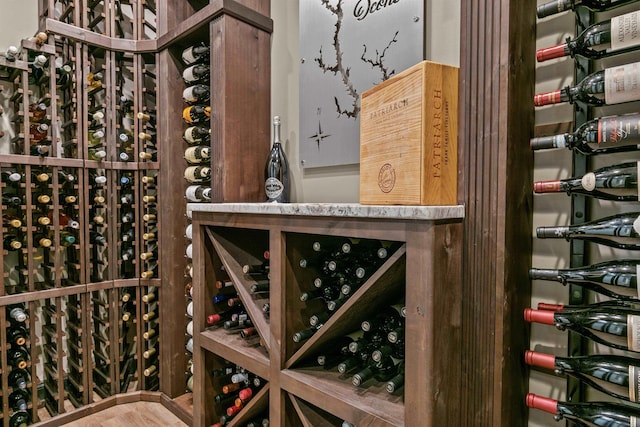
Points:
(408, 138)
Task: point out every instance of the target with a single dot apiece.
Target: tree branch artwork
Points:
(378, 62)
(340, 69)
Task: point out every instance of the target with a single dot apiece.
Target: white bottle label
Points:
(633, 332)
(190, 309)
(638, 275)
(190, 193)
(624, 31)
(188, 75)
(634, 383)
(633, 421)
(636, 225)
(622, 84)
(187, 95)
(589, 181)
(273, 188)
(196, 154)
(188, 56)
(188, 135)
(197, 173)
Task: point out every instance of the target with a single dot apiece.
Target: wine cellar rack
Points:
(421, 253)
(92, 201)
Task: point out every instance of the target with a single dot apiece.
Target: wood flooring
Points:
(136, 414)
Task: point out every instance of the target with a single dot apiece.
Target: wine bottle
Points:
(17, 313)
(276, 170)
(197, 73)
(195, 135)
(97, 154)
(615, 182)
(19, 378)
(11, 242)
(611, 37)
(395, 383)
(196, 114)
(557, 6)
(19, 399)
(198, 53)
(94, 82)
(383, 371)
(614, 375)
(198, 193)
(147, 117)
(149, 154)
(613, 85)
(197, 154)
(20, 418)
(38, 132)
(602, 135)
(64, 76)
(616, 327)
(587, 413)
(9, 176)
(18, 357)
(196, 94)
(12, 53)
(197, 174)
(38, 111)
(616, 279)
(618, 231)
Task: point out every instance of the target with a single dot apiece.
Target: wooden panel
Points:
(172, 211)
(240, 93)
(496, 186)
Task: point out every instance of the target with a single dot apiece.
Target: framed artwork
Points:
(347, 47)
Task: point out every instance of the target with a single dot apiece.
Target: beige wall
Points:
(18, 20)
(337, 184)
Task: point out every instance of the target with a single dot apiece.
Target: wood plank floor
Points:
(137, 414)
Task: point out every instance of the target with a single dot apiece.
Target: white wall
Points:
(18, 20)
(340, 183)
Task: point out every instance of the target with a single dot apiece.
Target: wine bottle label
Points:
(589, 181)
(636, 225)
(634, 383)
(624, 31)
(197, 173)
(622, 83)
(188, 74)
(619, 130)
(188, 57)
(197, 154)
(633, 332)
(273, 187)
(633, 421)
(190, 135)
(188, 95)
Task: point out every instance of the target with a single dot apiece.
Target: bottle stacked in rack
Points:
(197, 135)
(20, 364)
(340, 268)
(375, 352)
(234, 388)
(611, 321)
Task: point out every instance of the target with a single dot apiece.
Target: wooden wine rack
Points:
(425, 270)
(88, 314)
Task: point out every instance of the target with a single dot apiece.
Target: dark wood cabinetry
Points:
(424, 271)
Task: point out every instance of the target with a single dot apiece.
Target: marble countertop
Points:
(334, 210)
